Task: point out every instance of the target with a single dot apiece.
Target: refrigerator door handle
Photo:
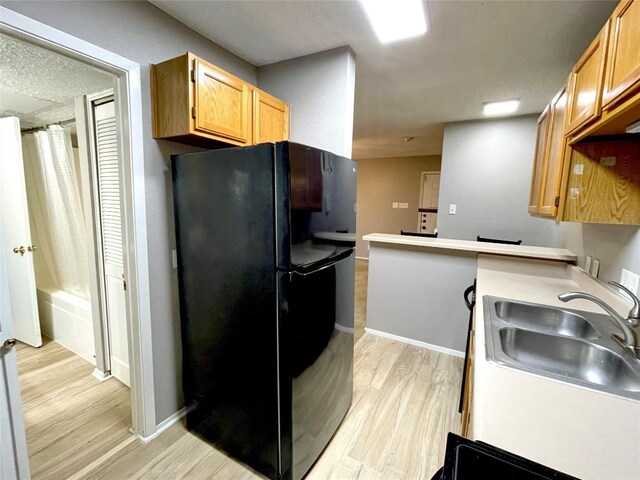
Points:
(337, 258)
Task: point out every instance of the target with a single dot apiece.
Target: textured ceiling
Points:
(39, 86)
(474, 52)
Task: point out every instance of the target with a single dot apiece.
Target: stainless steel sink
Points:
(568, 357)
(568, 345)
(544, 319)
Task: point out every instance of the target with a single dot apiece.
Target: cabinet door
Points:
(623, 58)
(585, 104)
(552, 175)
(221, 103)
(539, 161)
(270, 118)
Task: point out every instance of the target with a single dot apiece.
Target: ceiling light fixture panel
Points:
(395, 20)
(504, 107)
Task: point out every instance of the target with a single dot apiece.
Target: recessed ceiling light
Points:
(501, 108)
(397, 19)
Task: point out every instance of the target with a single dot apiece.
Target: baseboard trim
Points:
(417, 343)
(101, 376)
(363, 258)
(164, 425)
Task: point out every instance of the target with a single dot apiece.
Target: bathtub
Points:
(66, 318)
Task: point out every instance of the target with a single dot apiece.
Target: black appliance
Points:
(470, 301)
(416, 234)
(498, 240)
(469, 460)
(265, 239)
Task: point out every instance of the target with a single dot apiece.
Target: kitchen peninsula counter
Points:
(542, 253)
(416, 285)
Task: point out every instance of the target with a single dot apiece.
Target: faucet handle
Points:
(634, 314)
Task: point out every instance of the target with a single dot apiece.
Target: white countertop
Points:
(526, 251)
(580, 431)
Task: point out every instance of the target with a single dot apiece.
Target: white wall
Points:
(486, 172)
(616, 246)
(144, 34)
(320, 89)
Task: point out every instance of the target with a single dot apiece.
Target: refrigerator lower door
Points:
(319, 333)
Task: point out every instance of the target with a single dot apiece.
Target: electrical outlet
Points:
(630, 280)
(595, 268)
(452, 209)
(587, 264)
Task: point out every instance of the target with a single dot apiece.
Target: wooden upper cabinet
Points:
(221, 103)
(270, 118)
(602, 184)
(555, 153)
(539, 161)
(623, 57)
(200, 104)
(585, 99)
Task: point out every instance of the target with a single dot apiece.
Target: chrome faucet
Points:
(625, 324)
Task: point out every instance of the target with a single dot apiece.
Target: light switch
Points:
(630, 280)
(452, 209)
(394, 205)
(403, 205)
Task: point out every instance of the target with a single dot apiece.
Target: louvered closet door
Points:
(111, 226)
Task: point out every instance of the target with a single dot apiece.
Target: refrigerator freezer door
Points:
(316, 193)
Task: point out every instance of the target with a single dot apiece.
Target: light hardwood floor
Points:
(404, 404)
(71, 418)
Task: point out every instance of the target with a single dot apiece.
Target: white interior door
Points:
(108, 179)
(16, 234)
(14, 460)
(429, 193)
(430, 190)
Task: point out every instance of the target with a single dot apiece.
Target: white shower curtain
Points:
(55, 208)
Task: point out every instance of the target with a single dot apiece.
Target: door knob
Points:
(19, 250)
(9, 343)
(32, 248)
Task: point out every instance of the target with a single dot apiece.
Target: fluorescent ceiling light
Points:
(396, 19)
(501, 108)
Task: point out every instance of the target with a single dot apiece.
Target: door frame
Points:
(128, 95)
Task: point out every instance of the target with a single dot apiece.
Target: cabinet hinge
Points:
(193, 112)
(193, 75)
(124, 284)
(556, 201)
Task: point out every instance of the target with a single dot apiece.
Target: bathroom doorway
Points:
(128, 102)
(61, 200)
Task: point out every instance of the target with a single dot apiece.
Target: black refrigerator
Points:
(265, 240)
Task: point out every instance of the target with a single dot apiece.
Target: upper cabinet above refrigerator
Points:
(197, 103)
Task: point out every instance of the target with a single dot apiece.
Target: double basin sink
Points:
(569, 345)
